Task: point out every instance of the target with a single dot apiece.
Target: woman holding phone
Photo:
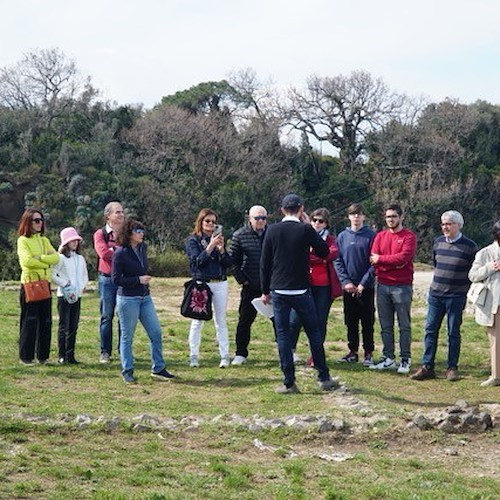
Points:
(208, 261)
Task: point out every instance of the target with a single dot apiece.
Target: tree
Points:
(342, 111)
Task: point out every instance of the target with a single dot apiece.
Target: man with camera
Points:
(245, 250)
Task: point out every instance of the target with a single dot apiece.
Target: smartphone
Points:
(217, 230)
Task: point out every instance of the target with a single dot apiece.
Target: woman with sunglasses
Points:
(129, 271)
(36, 258)
(208, 261)
(325, 284)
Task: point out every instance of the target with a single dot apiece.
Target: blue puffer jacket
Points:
(204, 266)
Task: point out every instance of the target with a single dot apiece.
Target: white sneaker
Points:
(491, 382)
(404, 366)
(194, 362)
(296, 358)
(384, 364)
(224, 363)
(239, 360)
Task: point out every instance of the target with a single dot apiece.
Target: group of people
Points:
(296, 265)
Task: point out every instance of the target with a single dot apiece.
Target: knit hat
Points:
(69, 234)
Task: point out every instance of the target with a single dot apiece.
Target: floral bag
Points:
(197, 301)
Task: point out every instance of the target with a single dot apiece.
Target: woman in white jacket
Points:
(71, 277)
(486, 269)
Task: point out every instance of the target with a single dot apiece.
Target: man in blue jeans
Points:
(453, 255)
(104, 246)
(284, 271)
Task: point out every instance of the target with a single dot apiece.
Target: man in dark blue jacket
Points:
(246, 249)
(284, 272)
(356, 275)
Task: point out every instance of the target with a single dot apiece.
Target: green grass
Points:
(53, 458)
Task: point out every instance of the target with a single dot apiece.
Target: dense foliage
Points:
(223, 144)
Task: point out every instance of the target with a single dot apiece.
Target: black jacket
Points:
(246, 249)
(285, 256)
(126, 267)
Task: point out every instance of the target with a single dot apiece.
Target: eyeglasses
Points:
(260, 217)
(139, 230)
(391, 216)
(210, 221)
(319, 221)
(37, 220)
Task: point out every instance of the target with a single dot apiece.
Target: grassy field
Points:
(45, 451)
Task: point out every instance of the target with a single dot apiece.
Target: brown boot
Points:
(451, 375)
(423, 373)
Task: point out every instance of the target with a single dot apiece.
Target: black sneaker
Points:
(351, 357)
(163, 375)
(128, 378)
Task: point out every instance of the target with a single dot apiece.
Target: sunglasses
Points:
(320, 221)
(139, 230)
(260, 217)
(210, 221)
(37, 220)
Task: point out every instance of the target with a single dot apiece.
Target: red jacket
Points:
(322, 271)
(396, 251)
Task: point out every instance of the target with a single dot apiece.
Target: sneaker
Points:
(310, 362)
(239, 360)
(350, 357)
(328, 385)
(224, 363)
(105, 358)
(61, 361)
(451, 375)
(26, 362)
(73, 361)
(404, 366)
(368, 359)
(162, 375)
(283, 389)
(128, 378)
(384, 364)
(423, 373)
(296, 359)
(491, 382)
(194, 362)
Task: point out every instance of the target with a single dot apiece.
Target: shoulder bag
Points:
(35, 291)
(197, 301)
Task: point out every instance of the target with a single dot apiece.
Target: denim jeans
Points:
(395, 299)
(306, 310)
(219, 304)
(130, 311)
(322, 297)
(437, 308)
(107, 293)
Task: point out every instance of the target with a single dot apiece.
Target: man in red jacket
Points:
(392, 256)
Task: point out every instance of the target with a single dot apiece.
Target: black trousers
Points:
(69, 317)
(360, 309)
(35, 328)
(247, 315)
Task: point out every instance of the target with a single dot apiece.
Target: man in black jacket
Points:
(284, 272)
(246, 249)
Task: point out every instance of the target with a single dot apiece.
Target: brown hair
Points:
(64, 250)
(356, 208)
(324, 214)
(197, 230)
(25, 227)
(123, 237)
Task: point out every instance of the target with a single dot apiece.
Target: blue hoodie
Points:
(352, 264)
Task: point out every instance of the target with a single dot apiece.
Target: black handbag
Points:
(197, 301)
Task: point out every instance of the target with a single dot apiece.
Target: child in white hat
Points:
(71, 277)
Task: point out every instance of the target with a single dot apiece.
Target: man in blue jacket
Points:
(356, 275)
(284, 273)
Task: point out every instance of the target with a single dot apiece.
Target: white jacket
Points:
(71, 269)
(482, 270)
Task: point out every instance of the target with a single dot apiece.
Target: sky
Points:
(138, 51)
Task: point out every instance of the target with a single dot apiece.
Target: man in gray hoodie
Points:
(356, 275)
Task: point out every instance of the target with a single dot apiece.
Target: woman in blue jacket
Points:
(129, 271)
(208, 261)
